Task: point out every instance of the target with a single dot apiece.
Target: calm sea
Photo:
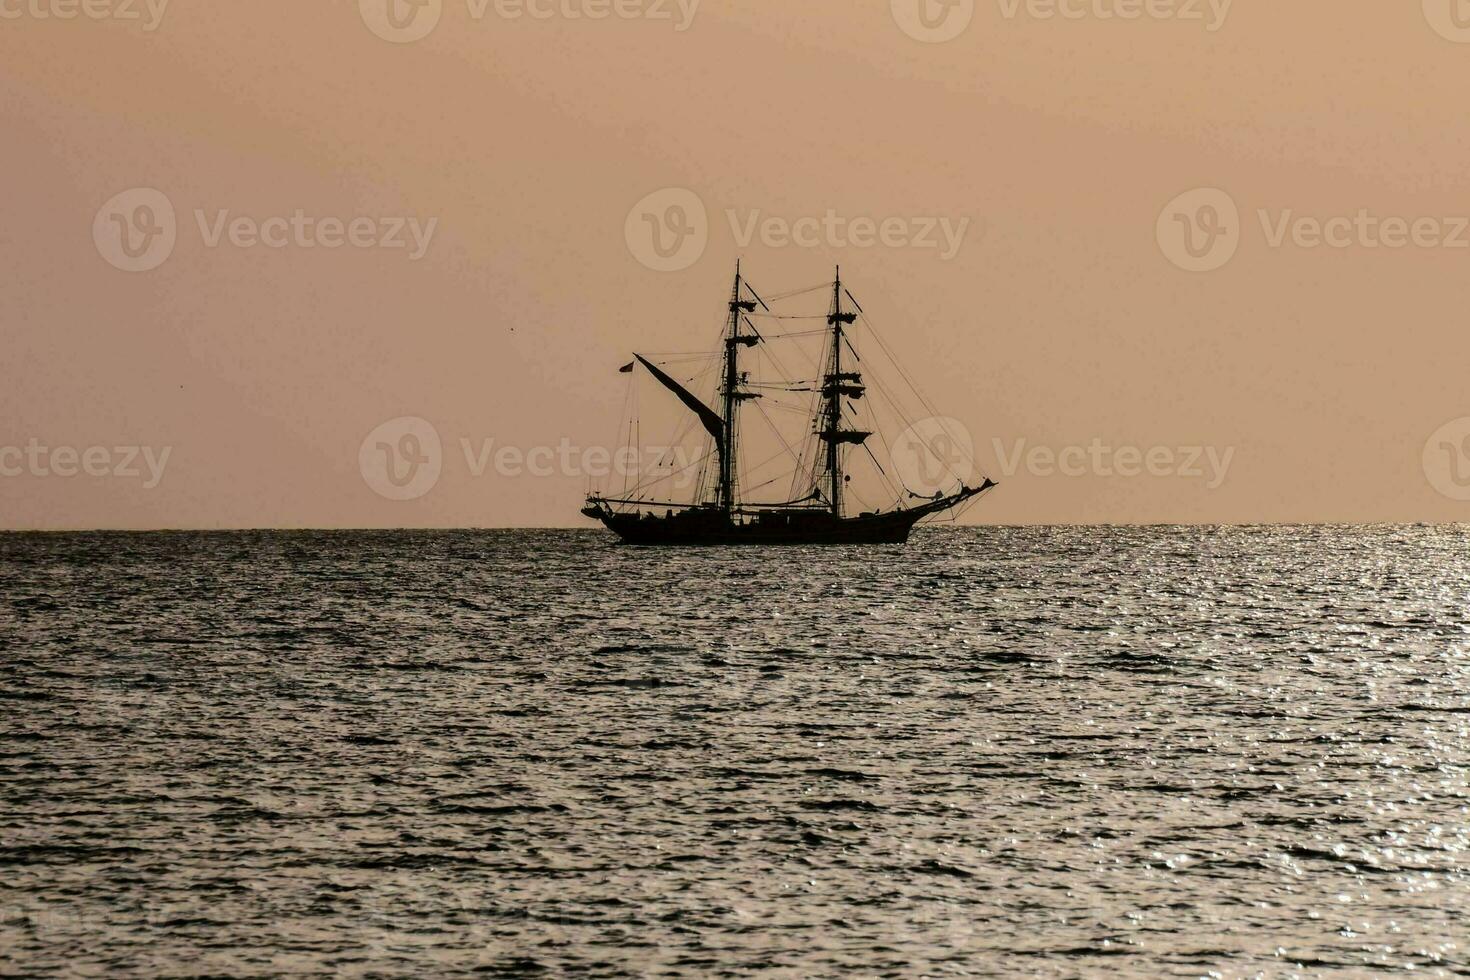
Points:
(1046, 751)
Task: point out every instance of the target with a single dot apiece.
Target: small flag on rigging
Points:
(627, 368)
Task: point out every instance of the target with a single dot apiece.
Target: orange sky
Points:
(1334, 375)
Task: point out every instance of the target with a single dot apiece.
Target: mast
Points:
(730, 393)
(835, 385)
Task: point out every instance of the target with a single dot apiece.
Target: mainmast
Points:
(836, 385)
(731, 395)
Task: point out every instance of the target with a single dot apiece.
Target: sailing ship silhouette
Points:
(721, 515)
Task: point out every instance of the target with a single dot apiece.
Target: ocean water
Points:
(996, 752)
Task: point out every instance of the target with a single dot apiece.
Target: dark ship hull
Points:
(709, 526)
(777, 526)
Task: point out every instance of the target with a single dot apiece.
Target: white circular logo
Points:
(136, 230)
(402, 458)
(933, 21)
(668, 230)
(1199, 230)
(934, 456)
(1447, 459)
(401, 21)
(1449, 18)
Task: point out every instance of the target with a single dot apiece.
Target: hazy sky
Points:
(497, 279)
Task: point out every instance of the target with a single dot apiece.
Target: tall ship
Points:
(836, 423)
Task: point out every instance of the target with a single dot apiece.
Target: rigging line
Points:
(778, 400)
(873, 329)
(640, 487)
(768, 459)
(805, 475)
(858, 419)
(680, 432)
(762, 486)
(924, 402)
(864, 506)
(772, 480)
(904, 420)
(791, 409)
(624, 414)
(901, 416)
(779, 437)
(793, 335)
(933, 413)
(633, 440)
(748, 286)
(678, 357)
(893, 402)
(806, 355)
(808, 457)
(780, 368)
(883, 473)
(800, 292)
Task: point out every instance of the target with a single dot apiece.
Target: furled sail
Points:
(845, 436)
(707, 415)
